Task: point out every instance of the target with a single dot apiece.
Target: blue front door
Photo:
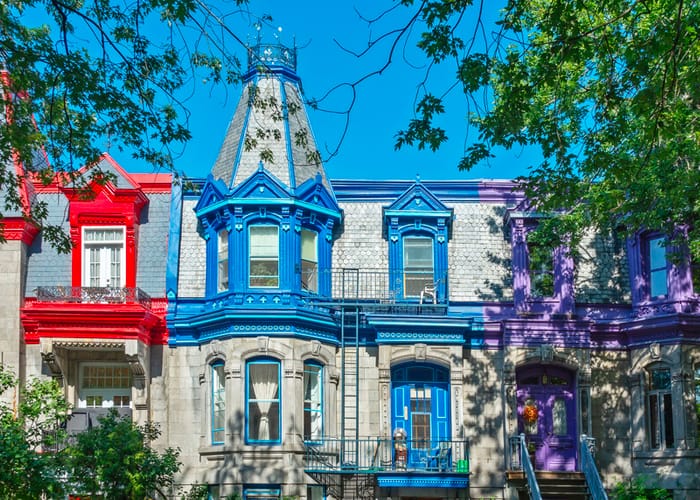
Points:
(420, 406)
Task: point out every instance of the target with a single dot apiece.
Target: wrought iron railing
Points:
(378, 455)
(590, 471)
(520, 460)
(377, 285)
(93, 295)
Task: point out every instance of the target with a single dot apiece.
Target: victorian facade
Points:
(299, 336)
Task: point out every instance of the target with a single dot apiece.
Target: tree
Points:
(115, 460)
(607, 91)
(94, 73)
(30, 429)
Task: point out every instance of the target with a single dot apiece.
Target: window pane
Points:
(660, 379)
(264, 256)
(218, 398)
(417, 265)
(309, 261)
(263, 401)
(222, 268)
(313, 414)
(657, 267)
(559, 417)
(668, 422)
(654, 428)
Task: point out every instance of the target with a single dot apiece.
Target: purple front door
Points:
(547, 416)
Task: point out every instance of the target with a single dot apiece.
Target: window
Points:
(421, 411)
(541, 269)
(218, 402)
(315, 492)
(256, 493)
(103, 257)
(263, 408)
(417, 265)
(313, 406)
(656, 264)
(264, 256)
(697, 403)
(660, 409)
(222, 268)
(309, 260)
(105, 386)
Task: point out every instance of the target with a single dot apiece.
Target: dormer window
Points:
(264, 257)
(222, 261)
(657, 266)
(418, 268)
(103, 256)
(309, 260)
(541, 270)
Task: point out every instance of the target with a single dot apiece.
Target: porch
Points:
(366, 464)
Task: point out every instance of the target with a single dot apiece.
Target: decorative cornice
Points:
(18, 229)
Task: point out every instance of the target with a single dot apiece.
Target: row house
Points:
(298, 336)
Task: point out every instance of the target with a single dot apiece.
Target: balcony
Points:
(93, 295)
(380, 290)
(392, 463)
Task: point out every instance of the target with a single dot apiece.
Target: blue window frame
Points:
(218, 402)
(313, 401)
(264, 251)
(261, 492)
(263, 401)
(657, 266)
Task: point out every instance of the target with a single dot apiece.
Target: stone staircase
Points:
(553, 485)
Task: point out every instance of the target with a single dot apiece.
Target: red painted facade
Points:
(78, 312)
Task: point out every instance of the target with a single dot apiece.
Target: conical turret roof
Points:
(270, 128)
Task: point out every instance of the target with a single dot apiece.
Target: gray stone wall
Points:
(152, 245)
(193, 256)
(12, 261)
(361, 245)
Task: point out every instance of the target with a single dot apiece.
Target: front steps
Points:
(553, 485)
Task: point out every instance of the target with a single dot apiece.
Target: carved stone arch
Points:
(422, 354)
(647, 358)
(214, 350)
(550, 355)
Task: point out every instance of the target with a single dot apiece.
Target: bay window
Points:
(218, 402)
(309, 260)
(264, 256)
(105, 386)
(222, 261)
(263, 401)
(313, 402)
(660, 409)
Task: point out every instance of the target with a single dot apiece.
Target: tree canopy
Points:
(96, 73)
(608, 92)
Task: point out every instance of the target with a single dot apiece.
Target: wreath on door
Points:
(530, 414)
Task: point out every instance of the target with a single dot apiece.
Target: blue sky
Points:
(383, 104)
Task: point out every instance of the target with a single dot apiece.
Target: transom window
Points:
(657, 267)
(264, 256)
(222, 258)
(309, 260)
(103, 257)
(105, 386)
(418, 270)
(313, 405)
(660, 409)
(263, 408)
(255, 493)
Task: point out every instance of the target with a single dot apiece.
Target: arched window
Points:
(218, 402)
(263, 406)
(313, 401)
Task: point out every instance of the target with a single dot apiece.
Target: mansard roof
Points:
(270, 126)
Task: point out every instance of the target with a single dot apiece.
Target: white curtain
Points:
(264, 380)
